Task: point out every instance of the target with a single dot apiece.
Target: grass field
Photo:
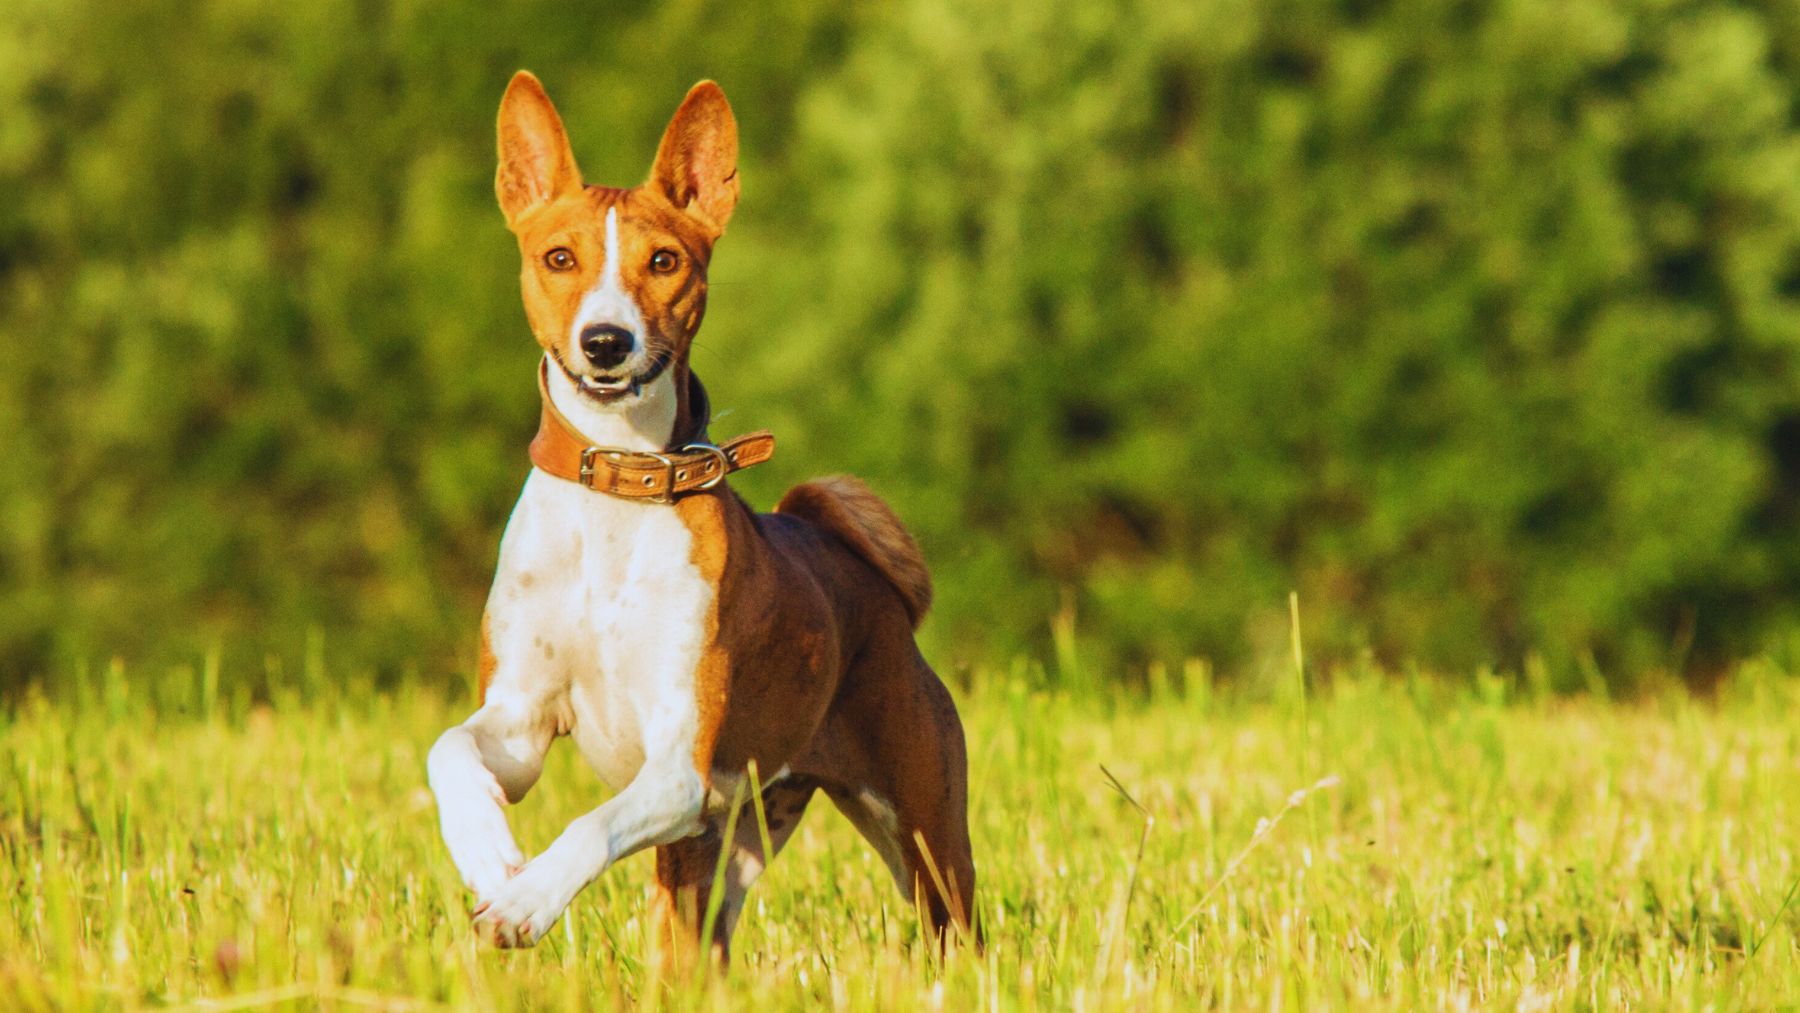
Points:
(1481, 846)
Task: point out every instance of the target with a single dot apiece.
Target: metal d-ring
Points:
(724, 464)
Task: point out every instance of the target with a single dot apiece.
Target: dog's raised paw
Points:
(521, 910)
(482, 848)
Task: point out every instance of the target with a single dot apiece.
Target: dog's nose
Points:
(606, 345)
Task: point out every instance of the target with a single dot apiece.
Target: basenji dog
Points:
(641, 608)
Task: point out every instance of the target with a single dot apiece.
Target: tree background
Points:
(1475, 323)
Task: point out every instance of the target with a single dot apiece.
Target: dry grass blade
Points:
(1264, 827)
(1118, 921)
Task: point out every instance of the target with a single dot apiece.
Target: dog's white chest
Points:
(604, 600)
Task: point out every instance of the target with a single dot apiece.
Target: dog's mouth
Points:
(608, 389)
(615, 388)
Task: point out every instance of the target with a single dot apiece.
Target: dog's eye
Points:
(560, 259)
(664, 261)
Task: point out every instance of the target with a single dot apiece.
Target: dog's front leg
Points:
(475, 767)
(662, 804)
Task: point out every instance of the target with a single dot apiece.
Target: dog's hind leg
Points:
(900, 773)
(685, 871)
(784, 802)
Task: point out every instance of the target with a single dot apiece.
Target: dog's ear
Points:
(696, 164)
(536, 165)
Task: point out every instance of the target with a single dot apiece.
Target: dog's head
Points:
(615, 279)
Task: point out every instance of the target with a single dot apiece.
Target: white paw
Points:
(481, 845)
(525, 906)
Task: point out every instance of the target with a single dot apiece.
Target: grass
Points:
(1392, 842)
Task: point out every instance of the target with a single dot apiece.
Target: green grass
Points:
(183, 847)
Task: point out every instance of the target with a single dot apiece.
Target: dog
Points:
(642, 609)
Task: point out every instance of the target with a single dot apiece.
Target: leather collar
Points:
(690, 464)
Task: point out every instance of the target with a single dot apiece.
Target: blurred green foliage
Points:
(1475, 323)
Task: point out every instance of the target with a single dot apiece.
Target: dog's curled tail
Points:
(847, 507)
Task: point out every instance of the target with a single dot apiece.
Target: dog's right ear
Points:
(536, 165)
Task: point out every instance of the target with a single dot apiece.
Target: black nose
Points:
(606, 345)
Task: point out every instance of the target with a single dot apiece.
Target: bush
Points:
(1472, 322)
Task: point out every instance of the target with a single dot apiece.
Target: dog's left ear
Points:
(696, 164)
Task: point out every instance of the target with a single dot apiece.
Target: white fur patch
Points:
(608, 302)
(597, 622)
(598, 604)
(875, 817)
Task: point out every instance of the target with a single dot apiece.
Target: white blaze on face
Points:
(644, 422)
(608, 302)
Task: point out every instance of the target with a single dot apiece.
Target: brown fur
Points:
(810, 662)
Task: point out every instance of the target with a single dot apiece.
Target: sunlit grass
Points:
(188, 847)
